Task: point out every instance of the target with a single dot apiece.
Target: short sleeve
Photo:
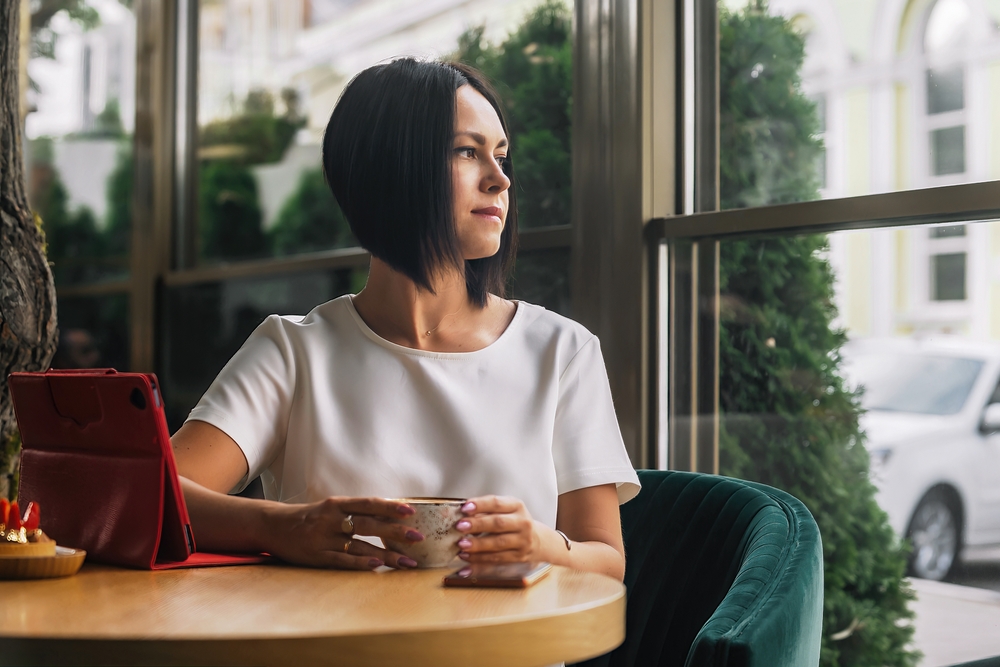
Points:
(587, 445)
(250, 399)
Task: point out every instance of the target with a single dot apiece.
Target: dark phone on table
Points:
(498, 575)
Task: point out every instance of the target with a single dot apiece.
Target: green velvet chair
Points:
(719, 572)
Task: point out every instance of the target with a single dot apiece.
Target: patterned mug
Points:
(435, 519)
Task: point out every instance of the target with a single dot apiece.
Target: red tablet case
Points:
(96, 457)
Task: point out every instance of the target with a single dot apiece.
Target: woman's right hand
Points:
(319, 534)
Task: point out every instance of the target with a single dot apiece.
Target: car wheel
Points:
(934, 534)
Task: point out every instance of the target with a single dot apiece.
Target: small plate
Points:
(65, 563)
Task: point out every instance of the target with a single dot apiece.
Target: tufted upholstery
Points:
(719, 572)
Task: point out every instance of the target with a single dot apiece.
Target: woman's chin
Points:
(482, 250)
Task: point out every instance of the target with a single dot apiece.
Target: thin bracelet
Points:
(566, 539)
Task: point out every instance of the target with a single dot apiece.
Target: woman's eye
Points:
(466, 151)
(501, 160)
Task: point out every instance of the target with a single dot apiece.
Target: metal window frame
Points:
(645, 173)
(951, 203)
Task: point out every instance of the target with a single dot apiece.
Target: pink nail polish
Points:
(375, 562)
(469, 507)
(414, 536)
(407, 562)
(464, 544)
(463, 525)
(406, 510)
(463, 555)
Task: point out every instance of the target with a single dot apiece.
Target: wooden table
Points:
(281, 615)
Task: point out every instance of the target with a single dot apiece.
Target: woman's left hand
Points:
(511, 535)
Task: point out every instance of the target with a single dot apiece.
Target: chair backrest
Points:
(719, 572)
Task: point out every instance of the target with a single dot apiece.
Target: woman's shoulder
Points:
(543, 326)
(319, 322)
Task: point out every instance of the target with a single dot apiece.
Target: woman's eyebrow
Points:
(480, 139)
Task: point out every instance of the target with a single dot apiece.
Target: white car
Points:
(933, 435)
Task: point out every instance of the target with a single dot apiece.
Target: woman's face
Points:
(478, 182)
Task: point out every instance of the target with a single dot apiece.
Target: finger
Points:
(341, 561)
(494, 557)
(494, 543)
(383, 507)
(494, 523)
(487, 504)
(357, 557)
(365, 550)
(366, 525)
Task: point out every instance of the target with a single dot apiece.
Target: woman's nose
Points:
(496, 180)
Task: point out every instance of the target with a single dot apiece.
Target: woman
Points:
(426, 383)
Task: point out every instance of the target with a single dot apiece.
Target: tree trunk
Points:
(27, 293)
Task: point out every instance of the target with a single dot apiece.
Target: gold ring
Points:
(347, 525)
(347, 545)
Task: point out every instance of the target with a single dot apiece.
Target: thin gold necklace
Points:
(430, 331)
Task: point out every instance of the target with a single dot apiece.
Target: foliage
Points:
(228, 213)
(310, 219)
(533, 70)
(767, 127)
(80, 249)
(71, 238)
(230, 217)
(107, 124)
(118, 224)
(255, 135)
(789, 419)
(43, 39)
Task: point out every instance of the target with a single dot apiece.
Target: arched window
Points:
(946, 33)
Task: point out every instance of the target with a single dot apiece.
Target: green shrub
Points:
(229, 214)
(789, 420)
(310, 219)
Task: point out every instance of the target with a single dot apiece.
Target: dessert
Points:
(20, 536)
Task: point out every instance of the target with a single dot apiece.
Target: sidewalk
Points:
(955, 624)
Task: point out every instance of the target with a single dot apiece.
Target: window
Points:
(834, 256)
(947, 246)
(78, 159)
(945, 37)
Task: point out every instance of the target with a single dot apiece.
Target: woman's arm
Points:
(589, 517)
(210, 463)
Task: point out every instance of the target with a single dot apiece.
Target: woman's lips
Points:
(494, 211)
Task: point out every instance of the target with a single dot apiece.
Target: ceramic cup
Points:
(435, 519)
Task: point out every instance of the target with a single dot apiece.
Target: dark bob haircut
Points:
(387, 158)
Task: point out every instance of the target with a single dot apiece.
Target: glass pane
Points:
(270, 73)
(542, 277)
(948, 26)
(78, 136)
(93, 332)
(948, 277)
(207, 323)
(945, 90)
(825, 99)
(947, 231)
(948, 150)
(854, 372)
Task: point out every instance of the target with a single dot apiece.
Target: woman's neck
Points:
(443, 321)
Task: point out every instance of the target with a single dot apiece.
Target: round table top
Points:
(277, 614)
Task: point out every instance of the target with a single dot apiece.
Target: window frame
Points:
(644, 260)
(952, 203)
